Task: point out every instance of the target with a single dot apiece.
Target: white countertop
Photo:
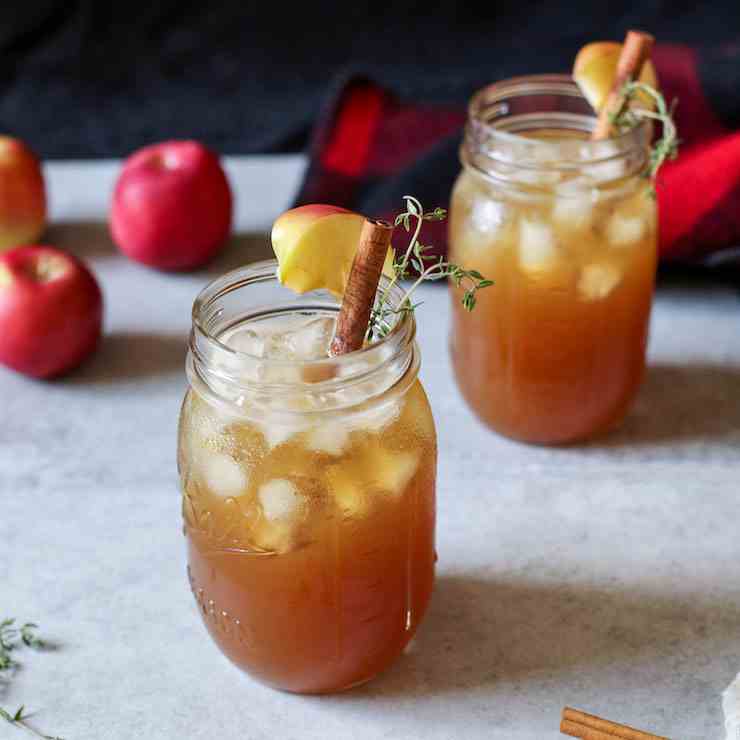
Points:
(603, 577)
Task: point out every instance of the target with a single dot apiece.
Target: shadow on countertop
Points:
(479, 632)
(85, 239)
(241, 249)
(682, 403)
(124, 356)
(91, 240)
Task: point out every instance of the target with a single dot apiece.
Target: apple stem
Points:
(359, 295)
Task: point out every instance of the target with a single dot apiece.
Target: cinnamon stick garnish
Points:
(635, 52)
(589, 727)
(359, 295)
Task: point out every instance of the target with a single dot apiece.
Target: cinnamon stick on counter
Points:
(635, 52)
(589, 727)
(362, 284)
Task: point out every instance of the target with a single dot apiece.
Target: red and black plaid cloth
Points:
(370, 148)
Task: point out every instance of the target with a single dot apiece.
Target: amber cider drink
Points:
(566, 227)
(308, 488)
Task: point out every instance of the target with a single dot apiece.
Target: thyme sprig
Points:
(19, 717)
(11, 638)
(416, 262)
(666, 147)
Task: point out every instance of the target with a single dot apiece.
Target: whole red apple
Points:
(171, 206)
(22, 194)
(51, 311)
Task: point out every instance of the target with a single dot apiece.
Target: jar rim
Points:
(267, 270)
(212, 363)
(551, 84)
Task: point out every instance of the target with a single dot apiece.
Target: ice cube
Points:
(605, 163)
(311, 340)
(379, 416)
(280, 504)
(623, 231)
(349, 492)
(574, 205)
(538, 178)
(278, 499)
(376, 417)
(278, 430)
(245, 339)
(538, 249)
(544, 152)
(296, 337)
(329, 436)
(223, 475)
(396, 469)
(597, 281)
(487, 216)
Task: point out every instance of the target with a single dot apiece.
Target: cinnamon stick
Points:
(362, 284)
(635, 52)
(589, 727)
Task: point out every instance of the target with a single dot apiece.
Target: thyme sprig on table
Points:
(418, 264)
(666, 147)
(11, 638)
(19, 717)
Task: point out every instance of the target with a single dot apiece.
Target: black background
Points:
(87, 78)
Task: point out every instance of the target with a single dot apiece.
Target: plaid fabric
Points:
(369, 149)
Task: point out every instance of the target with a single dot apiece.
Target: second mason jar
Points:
(308, 485)
(566, 227)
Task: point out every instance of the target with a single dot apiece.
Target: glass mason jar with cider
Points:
(566, 227)
(308, 485)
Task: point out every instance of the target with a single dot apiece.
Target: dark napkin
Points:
(370, 148)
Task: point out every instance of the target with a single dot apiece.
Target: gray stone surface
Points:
(604, 577)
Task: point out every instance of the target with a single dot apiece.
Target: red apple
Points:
(22, 195)
(50, 311)
(171, 206)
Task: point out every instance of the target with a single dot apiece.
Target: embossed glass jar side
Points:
(308, 492)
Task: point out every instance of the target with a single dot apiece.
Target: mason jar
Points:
(308, 485)
(566, 228)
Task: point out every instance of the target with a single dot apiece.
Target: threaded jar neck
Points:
(500, 143)
(253, 385)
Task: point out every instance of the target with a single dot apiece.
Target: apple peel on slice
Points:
(315, 246)
(595, 68)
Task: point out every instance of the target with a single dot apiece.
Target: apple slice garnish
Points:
(315, 246)
(595, 68)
